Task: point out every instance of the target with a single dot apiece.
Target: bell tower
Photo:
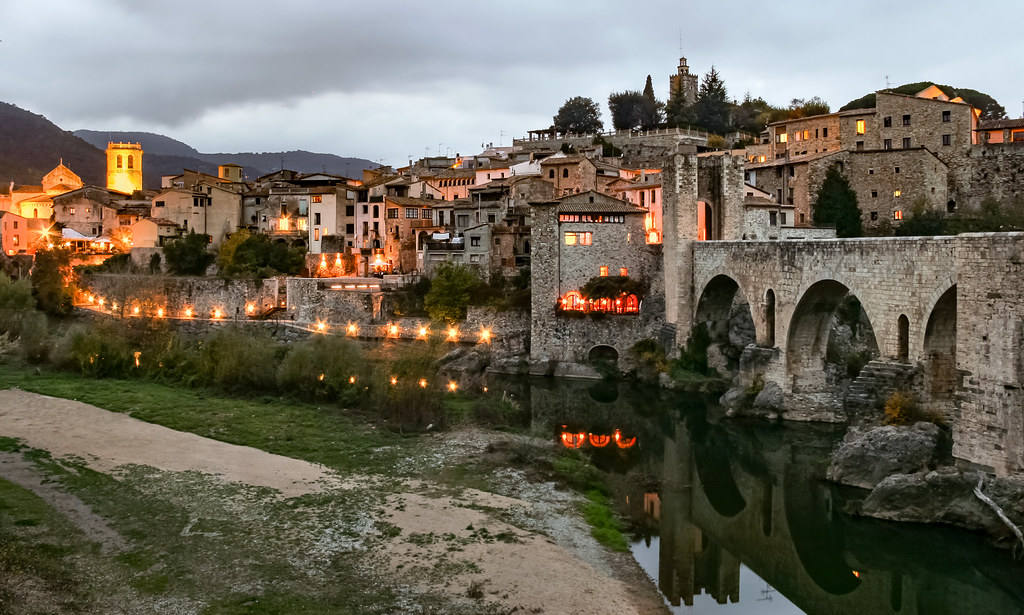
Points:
(124, 167)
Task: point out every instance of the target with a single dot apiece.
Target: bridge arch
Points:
(809, 331)
(603, 354)
(724, 309)
(939, 348)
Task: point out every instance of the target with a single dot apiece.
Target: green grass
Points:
(605, 527)
(35, 544)
(322, 434)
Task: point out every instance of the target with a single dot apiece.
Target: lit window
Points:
(860, 127)
(807, 135)
(781, 137)
(604, 271)
(316, 234)
(120, 162)
(897, 193)
(897, 215)
(623, 271)
(131, 162)
(570, 238)
(318, 198)
(586, 238)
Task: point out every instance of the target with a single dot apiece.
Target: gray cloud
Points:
(384, 81)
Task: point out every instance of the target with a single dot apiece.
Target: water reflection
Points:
(736, 516)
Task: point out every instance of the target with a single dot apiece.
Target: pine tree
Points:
(836, 204)
(712, 107)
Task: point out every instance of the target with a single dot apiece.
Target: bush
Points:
(694, 356)
(189, 255)
(450, 292)
(237, 361)
(613, 287)
(245, 255)
(320, 368)
(99, 351)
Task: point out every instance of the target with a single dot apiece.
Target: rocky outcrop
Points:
(866, 458)
(770, 398)
(946, 496)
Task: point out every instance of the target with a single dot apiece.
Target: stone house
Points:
(90, 210)
(203, 207)
(331, 214)
(1001, 131)
(153, 232)
(578, 238)
(408, 224)
(18, 234)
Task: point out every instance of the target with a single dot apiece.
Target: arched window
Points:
(572, 300)
(632, 304)
(565, 172)
(120, 163)
(131, 161)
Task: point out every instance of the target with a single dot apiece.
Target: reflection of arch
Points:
(769, 317)
(603, 354)
(711, 457)
(903, 338)
(809, 330)
(941, 378)
(818, 541)
(715, 306)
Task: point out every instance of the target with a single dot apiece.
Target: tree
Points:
(189, 255)
(836, 204)
(751, 115)
(258, 256)
(450, 292)
(579, 115)
(51, 277)
(712, 107)
(631, 109)
(226, 253)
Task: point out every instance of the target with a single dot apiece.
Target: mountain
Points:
(162, 151)
(990, 107)
(31, 145)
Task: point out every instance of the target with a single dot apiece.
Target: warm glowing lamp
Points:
(423, 383)
(352, 329)
(321, 377)
(452, 386)
(394, 380)
(453, 334)
(188, 312)
(485, 336)
(217, 313)
(135, 310)
(321, 326)
(159, 312)
(351, 379)
(392, 330)
(249, 308)
(422, 333)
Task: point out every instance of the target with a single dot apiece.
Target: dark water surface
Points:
(735, 516)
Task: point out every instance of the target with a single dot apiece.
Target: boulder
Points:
(733, 398)
(717, 360)
(770, 397)
(865, 458)
(940, 496)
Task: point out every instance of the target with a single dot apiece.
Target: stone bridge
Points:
(952, 307)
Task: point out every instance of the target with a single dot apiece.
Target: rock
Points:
(741, 327)
(665, 381)
(770, 397)
(576, 370)
(732, 398)
(934, 497)
(864, 459)
(717, 360)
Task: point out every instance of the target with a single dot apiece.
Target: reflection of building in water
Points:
(689, 561)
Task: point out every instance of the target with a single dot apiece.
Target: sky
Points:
(399, 80)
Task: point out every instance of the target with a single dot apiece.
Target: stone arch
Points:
(809, 331)
(603, 353)
(724, 310)
(939, 348)
(903, 338)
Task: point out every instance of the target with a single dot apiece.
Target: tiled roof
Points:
(1001, 124)
(595, 202)
(406, 201)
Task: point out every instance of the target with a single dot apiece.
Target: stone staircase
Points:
(876, 382)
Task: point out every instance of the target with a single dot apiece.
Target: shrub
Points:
(694, 356)
(189, 255)
(320, 368)
(238, 361)
(98, 351)
(612, 287)
(50, 273)
(901, 409)
(450, 292)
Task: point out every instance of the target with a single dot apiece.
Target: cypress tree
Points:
(836, 204)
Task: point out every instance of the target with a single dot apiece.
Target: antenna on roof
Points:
(680, 41)
(887, 82)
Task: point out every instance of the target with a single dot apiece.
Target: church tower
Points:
(124, 167)
(683, 83)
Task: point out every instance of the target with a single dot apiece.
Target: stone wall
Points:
(996, 171)
(312, 300)
(176, 294)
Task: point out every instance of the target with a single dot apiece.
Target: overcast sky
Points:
(386, 81)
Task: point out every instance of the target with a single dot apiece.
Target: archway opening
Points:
(769, 318)
(603, 356)
(941, 377)
(903, 341)
(830, 339)
(725, 313)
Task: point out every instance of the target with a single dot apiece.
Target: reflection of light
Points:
(573, 440)
(321, 377)
(599, 440)
(352, 329)
(323, 262)
(392, 330)
(856, 573)
(452, 386)
(136, 354)
(623, 442)
(423, 383)
(337, 261)
(485, 389)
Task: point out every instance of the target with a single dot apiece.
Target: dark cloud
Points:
(249, 74)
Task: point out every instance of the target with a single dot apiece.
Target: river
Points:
(734, 516)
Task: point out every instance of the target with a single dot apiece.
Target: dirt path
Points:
(445, 543)
(106, 440)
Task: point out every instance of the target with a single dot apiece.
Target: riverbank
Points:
(214, 504)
